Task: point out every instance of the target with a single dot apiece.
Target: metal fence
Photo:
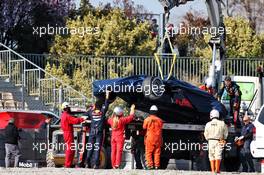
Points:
(28, 71)
(35, 81)
(187, 69)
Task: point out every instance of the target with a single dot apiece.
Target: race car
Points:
(178, 101)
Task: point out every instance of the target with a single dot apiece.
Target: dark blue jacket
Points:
(247, 132)
(98, 119)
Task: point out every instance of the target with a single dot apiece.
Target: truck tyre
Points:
(232, 164)
(164, 161)
(50, 159)
(143, 159)
(108, 153)
(153, 88)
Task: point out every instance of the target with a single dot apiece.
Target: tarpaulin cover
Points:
(201, 100)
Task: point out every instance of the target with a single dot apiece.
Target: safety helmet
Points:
(214, 114)
(118, 111)
(11, 120)
(153, 108)
(65, 105)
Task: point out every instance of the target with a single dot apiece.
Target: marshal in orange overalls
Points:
(153, 140)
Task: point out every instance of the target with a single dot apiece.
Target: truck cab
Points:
(249, 100)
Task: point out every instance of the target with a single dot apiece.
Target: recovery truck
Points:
(184, 108)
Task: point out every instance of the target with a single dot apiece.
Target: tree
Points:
(131, 10)
(12, 14)
(242, 40)
(111, 34)
(187, 42)
(20, 17)
(251, 10)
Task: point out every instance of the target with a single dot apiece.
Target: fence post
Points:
(23, 91)
(61, 99)
(54, 94)
(9, 65)
(93, 98)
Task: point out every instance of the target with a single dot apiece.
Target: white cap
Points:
(118, 111)
(214, 114)
(209, 82)
(65, 105)
(153, 108)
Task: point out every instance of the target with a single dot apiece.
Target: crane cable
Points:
(159, 53)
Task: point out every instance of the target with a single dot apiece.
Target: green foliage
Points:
(261, 38)
(204, 51)
(242, 40)
(114, 35)
(82, 82)
(57, 72)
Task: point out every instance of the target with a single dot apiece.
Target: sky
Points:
(155, 7)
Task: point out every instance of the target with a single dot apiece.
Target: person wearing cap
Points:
(215, 133)
(246, 137)
(153, 138)
(233, 90)
(118, 123)
(208, 86)
(97, 115)
(11, 143)
(67, 122)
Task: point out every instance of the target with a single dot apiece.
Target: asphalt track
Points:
(82, 171)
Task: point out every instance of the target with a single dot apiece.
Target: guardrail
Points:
(35, 81)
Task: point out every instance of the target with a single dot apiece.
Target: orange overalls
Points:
(153, 139)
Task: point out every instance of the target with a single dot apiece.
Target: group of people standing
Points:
(216, 130)
(97, 114)
(216, 133)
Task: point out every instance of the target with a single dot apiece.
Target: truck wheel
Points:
(232, 164)
(103, 159)
(153, 88)
(108, 153)
(143, 159)
(164, 161)
(50, 159)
